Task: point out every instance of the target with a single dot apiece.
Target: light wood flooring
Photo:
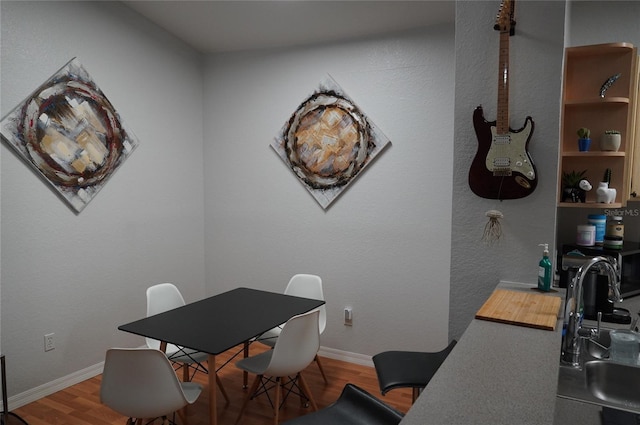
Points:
(80, 403)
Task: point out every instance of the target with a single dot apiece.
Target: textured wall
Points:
(535, 77)
(80, 276)
(384, 245)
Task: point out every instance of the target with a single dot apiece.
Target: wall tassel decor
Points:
(493, 228)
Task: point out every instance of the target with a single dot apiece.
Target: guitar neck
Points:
(502, 120)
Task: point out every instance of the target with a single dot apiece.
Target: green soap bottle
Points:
(544, 270)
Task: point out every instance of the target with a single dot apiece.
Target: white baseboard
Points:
(346, 356)
(59, 384)
(49, 388)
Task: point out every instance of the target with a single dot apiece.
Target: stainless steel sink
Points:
(598, 348)
(601, 381)
(614, 382)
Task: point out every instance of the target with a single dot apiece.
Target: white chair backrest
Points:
(309, 286)
(140, 383)
(160, 298)
(297, 345)
(163, 297)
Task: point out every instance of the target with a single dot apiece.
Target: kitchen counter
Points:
(502, 374)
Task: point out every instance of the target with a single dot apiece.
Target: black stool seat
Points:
(354, 407)
(408, 369)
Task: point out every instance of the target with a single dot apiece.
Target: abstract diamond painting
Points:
(70, 133)
(328, 141)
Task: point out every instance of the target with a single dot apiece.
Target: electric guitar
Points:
(502, 167)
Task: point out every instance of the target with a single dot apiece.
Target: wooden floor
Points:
(80, 404)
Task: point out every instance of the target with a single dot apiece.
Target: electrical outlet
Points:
(48, 342)
(348, 316)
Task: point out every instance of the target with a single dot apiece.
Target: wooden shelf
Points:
(600, 49)
(586, 70)
(589, 205)
(593, 154)
(591, 101)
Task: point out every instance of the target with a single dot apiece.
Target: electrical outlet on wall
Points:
(49, 344)
(348, 316)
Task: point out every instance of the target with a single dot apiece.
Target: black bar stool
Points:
(354, 407)
(408, 369)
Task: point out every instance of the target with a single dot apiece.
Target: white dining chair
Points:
(140, 383)
(306, 286)
(296, 348)
(163, 297)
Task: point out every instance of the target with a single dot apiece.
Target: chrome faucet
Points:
(573, 333)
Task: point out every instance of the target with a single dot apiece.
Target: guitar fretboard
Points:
(502, 119)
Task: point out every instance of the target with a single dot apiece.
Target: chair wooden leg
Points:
(248, 396)
(276, 402)
(414, 394)
(304, 401)
(185, 372)
(183, 415)
(245, 374)
(305, 388)
(222, 390)
(317, 359)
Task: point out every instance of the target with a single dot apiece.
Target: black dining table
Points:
(218, 323)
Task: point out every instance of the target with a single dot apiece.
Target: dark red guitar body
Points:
(502, 167)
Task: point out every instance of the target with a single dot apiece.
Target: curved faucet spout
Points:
(571, 339)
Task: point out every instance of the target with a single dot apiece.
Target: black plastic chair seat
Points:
(354, 407)
(408, 369)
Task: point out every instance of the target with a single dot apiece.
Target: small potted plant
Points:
(584, 139)
(610, 141)
(571, 190)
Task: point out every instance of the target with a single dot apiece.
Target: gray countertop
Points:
(502, 374)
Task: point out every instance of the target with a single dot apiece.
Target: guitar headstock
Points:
(505, 20)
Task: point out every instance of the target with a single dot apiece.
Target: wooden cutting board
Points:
(521, 308)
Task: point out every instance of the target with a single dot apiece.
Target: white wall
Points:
(80, 276)
(535, 74)
(383, 246)
(595, 22)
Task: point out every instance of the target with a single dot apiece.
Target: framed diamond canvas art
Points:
(328, 141)
(71, 135)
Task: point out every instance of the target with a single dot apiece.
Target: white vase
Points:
(605, 194)
(610, 142)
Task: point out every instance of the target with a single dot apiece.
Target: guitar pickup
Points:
(504, 162)
(501, 172)
(502, 139)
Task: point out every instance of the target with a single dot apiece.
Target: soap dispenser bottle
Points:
(544, 270)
